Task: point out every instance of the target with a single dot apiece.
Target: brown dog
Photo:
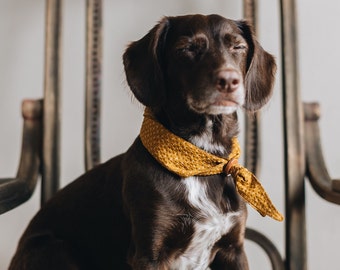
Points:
(193, 72)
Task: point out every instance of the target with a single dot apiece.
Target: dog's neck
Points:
(212, 133)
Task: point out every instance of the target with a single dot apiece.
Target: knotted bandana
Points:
(185, 159)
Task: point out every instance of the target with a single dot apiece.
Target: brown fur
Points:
(131, 213)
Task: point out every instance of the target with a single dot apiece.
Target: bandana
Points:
(185, 159)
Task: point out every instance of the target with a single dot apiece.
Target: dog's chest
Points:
(211, 225)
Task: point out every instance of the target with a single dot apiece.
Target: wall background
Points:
(21, 76)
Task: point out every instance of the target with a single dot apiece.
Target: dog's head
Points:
(211, 64)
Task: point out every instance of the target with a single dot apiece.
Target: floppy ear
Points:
(261, 68)
(143, 65)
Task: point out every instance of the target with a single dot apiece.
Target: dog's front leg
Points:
(230, 259)
(231, 254)
(146, 250)
(146, 264)
(143, 259)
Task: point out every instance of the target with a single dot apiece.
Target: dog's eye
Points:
(190, 51)
(240, 47)
(189, 48)
(193, 49)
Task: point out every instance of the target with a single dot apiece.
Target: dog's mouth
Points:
(221, 106)
(217, 102)
(226, 100)
(226, 103)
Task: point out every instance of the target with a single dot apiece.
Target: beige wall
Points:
(21, 76)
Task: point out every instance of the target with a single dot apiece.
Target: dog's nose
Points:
(228, 80)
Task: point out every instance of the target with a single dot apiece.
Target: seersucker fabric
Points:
(185, 159)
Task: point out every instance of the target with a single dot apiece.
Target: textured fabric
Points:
(185, 159)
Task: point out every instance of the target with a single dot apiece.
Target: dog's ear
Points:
(260, 73)
(143, 65)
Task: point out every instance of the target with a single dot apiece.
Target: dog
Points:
(193, 72)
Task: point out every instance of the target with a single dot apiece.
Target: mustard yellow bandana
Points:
(185, 159)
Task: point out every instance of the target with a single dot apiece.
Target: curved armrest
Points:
(274, 256)
(15, 191)
(316, 169)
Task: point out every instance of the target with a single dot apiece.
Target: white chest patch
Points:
(204, 141)
(213, 226)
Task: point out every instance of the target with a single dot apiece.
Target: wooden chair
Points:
(302, 148)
